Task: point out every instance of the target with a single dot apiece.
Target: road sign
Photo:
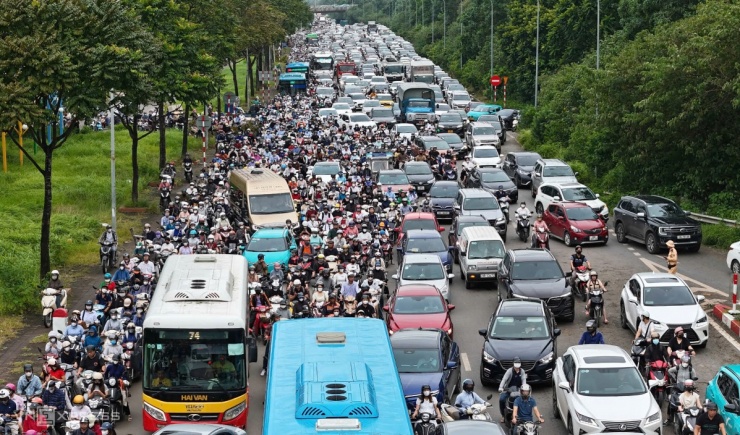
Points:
(229, 101)
(495, 80)
(506, 80)
(203, 122)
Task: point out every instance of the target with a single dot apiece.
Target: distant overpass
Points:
(330, 8)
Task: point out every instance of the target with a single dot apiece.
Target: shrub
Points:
(720, 236)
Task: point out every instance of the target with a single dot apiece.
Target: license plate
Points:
(441, 213)
(420, 188)
(449, 131)
(686, 236)
(488, 275)
(593, 238)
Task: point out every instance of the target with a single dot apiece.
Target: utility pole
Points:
(491, 68)
(432, 21)
(444, 25)
(537, 57)
(461, 36)
(113, 163)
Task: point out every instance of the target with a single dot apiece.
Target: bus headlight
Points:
(156, 413)
(234, 412)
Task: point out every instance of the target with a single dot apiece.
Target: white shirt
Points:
(427, 406)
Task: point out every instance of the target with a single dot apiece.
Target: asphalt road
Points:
(706, 272)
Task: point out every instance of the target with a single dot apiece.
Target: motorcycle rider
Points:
(710, 422)
(52, 346)
(117, 371)
(525, 407)
(56, 284)
(84, 428)
(109, 237)
(678, 342)
(258, 299)
(92, 338)
(114, 323)
(366, 307)
(122, 274)
(646, 327)
(74, 329)
(426, 403)
(88, 316)
(29, 384)
(79, 410)
(683, 371)
(595, 283)
(146, 266)
(10, 409)
(261, 268)
(55, 397)
(466, 399)
(653, 352)
(539, 226)
(514, 377)
(68, 355)
(91, 360)
(577, 260)
(97, 387)
(53, 372)
(591, 335)
(112, 348)
(689, 398)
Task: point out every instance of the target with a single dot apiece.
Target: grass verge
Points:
(81, 202)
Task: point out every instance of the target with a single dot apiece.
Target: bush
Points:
(550, 151)
(720, 236)
(526, 140)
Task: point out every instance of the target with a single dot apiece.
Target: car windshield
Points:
(443, 191)
(267, 245)
(422, 272)
(272, 203)
(484, 131)
(352, 90)
(578, 194)
(327, 112)
(419, 103)
(383, 113)
(360, 117)
(420, 246)
(372, 103)
(417, 169)
(327, 169)
(419, 224)
(581, 214)
(667, 296)
(519, 328)
(485, 249)
(610, 382)
(451, 138)
(393, 179)
(417, 360)
(325, 91)
(487, 203)
(558, 171)
(419, 304)
(536, 270)
(440, 144)
(442, 107)
(527, 160)
(667, 209)
(461, 97)
(340, 106)
(495, 177)
(450, 117)
(406, 129)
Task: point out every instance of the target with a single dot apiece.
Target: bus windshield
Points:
(194, 359)
(271, 204)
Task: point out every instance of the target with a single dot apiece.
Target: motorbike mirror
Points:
(386, 308)
(440, 228)
(489, 397)
(564, 386)
(730, 407)
(450, 275)
(556, 332)
(482, 332)
(252, 347)
(450, 307)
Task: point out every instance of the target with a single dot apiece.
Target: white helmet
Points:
(52, 361)
(52, 334)
(55, 272)
(4, 393)
(97, 376)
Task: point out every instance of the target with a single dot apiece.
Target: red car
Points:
(418, 221)
(575, 223)
(418, 306)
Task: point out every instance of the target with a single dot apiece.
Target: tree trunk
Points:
(45, 265)
(185, 130)
(234, 78)
(259, 66)
(134, 134)
(247, 79)
(218, 104)
(252, 79)
(162, 136)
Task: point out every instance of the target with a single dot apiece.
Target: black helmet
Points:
(711, 406)
(89, 302)
(425, 387)
(260, 256)
(468, 385)
(27, 367)
(591, 325)
(579, 248)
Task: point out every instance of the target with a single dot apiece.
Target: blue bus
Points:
(335, 375)
(291, 83)
(298, 67)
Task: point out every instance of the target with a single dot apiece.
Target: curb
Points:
(720, 313)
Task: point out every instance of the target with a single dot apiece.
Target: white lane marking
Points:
(693, 283)
(630, 249)
(722, 332)
(465, 362)
(637, 254)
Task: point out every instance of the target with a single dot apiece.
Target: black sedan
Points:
(451, 122)
(523, 329)
(519, 166)
(457, 145)
(441, 196)
(420, 176)
(491, 179)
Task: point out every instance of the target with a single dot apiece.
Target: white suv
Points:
(598, 389)
(574, 192)
(424, 269)
(670, 303)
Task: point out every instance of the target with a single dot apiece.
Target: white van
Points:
(481, 252)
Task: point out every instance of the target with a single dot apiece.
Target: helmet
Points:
(579, 248)
(78, 400)
(260, 256)
(52, 361)
(523, 388)
(297, 282)
(591, 325)
(678, 330)
(97, 376)
(517, 362)
(688, 384)
(52, 334)
(468, 385)
(55, 272)
(90, 419)
(27, 367)
(594, 273)
(107, 276)
(37, 400)
(89, 302)
(106, 426)
(10, 387)
(645, 314)
(711, 406)
(4, 394)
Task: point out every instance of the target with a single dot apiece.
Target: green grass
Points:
(81, 202)
(241, 74)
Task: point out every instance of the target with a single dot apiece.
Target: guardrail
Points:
(713, 219)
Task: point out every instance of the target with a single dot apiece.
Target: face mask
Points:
(29, 374)
(656, 341)
(427, 393)
(104, 432)
(88, 307)
(74, 324)
(107, 280)
(121, 268)
(684, 365)
(113, 342)
(53, 340)
(139, 311)
(110, 231)
(517, 365)
(336, 313)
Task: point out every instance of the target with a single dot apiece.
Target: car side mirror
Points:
(556, 198)
(556, 332)
(394, 276)
(252, 348)
(450, 275)
(641, 215)
(451, 365)
(597, 195)
(700, 298)
(482, 332)
(564, 386)
(462, 253)
(450, 307)
(456, 207)
(730, 407)
(536, 174)
(386, 308)
(575, 174)
(513, 165)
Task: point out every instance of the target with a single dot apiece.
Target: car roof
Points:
(419, 215)
(445, 183)
(421, 258)
(553, 162)
(652, 199)
(416, 338)
(485, 147)
(326, 164)
(269, 233)
(391, 171)
(471, 218)
(601, 355)
(530, 254)
(659, 279)
(523, 153)
(478, 427)
(429, 139)
(476, 193)
(417, 290)
(415, 163)
(570, 185)
(480, 124)
(571, 204)
(489, 169)
(423, 234)
(520, 307)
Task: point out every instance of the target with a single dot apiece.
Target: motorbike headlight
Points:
(155, 413)
(546, 359)
(653, 418)
(575, 229)
(234, 412)
(584, 419)
(487, 357)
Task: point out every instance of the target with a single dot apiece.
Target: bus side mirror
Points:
(252, 349)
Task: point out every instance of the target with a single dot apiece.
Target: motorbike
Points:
(686, 421)
(527, 428)
(477, 411)
(164, 198)
(522, 228)
(509, 409)
(317, 310)
(638, 352)
(450, 175)
(579, 287)
(542, 239)
(5, 422)
(100, 408)
(658, 380)
(504, 204)
(263, 314)
(49, 303)
(188, 171)
(107, 260)
(596, 308)
(350, 306)
(116, 390)
(673, 404)
(424, 425)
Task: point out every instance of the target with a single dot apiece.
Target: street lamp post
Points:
(444, 25)
(432, 21)
(461, 36)
(491, 68)
(598, 32)
(537, 57)
(111, 114)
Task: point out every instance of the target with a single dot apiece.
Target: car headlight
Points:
(702, 320)
(473, 267)
(575, 229)
(605, 210)
(663, 231)
(546, 359)
(501, 221)
(156, 413)
(487, 357)
(234, 412)
(653, 418)
(583, 419)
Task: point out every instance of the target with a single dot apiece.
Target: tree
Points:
(63, 51)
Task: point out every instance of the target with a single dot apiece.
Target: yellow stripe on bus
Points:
(195, 406)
